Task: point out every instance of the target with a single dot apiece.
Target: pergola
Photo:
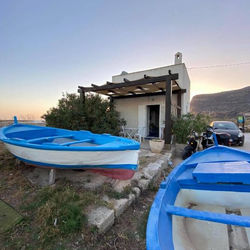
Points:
(146, 86)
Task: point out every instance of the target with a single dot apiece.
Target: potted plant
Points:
(156, 145)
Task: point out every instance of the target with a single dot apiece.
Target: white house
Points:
(141, 97)
(148, 112)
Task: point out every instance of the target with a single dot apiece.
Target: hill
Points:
(228, 104)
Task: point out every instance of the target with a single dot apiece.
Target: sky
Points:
(49, 47)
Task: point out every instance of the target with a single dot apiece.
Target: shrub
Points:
(95, 114)
(183, 126)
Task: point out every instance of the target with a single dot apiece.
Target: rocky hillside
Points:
(226, 104)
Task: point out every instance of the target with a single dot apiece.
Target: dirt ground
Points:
(128, 232)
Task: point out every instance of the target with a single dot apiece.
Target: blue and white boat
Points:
(203, 204)
(113, 156)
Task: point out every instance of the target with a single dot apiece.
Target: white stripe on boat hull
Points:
(93, 158)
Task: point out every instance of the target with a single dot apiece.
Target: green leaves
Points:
(95, 114)
(183, 126)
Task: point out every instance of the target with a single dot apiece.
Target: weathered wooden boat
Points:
(112, 156)
(204, 203)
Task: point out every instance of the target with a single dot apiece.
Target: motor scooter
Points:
(207, 140)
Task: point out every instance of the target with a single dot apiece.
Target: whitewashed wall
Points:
(134, 110)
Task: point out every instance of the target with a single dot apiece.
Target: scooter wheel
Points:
(185, 155)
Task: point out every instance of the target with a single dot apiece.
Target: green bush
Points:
(183, 126)
(95, 114)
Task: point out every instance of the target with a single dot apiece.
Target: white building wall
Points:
(134, 110)
(129, 109)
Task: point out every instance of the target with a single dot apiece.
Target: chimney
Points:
(178, 58)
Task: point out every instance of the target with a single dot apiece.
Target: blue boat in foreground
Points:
(112, 156)
(204, 203)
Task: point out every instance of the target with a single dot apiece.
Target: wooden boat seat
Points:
(49, 138)
(230, 219)
(223, 172)
(186, 178)
(76, 142)
(67, 143)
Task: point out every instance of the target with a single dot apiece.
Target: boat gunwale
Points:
(132, 145)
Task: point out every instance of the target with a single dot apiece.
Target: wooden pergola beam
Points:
(112, 91)
(142, 81)
(125, 80)
(109, 83)
(148, 94)
(82, 95)
(139, 87)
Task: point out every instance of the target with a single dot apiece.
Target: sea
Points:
(4, 123)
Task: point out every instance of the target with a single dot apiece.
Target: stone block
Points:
(151, 170)
(143, 184)
(120, 206)
(119, 185)
(137, 176)
(102, 218)
(131, 199)
(137, 191)
(164, 162)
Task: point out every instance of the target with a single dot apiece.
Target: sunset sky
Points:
(50, 47)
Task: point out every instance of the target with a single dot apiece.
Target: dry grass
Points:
(51, 214)
(55, 217)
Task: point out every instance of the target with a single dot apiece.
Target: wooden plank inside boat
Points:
(223, 172)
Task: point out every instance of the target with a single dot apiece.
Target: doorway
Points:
(153, 117)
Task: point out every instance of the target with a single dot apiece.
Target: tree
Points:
(94, 114)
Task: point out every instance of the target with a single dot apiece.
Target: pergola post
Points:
(111, 102)
(168, 102)
(82, 94)
(179, 103)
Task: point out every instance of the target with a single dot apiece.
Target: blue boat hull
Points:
(66, 149)
(194, 178)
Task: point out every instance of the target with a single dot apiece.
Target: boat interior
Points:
(60, 137)
(212, 210)
(210, 206)
(50, 136)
